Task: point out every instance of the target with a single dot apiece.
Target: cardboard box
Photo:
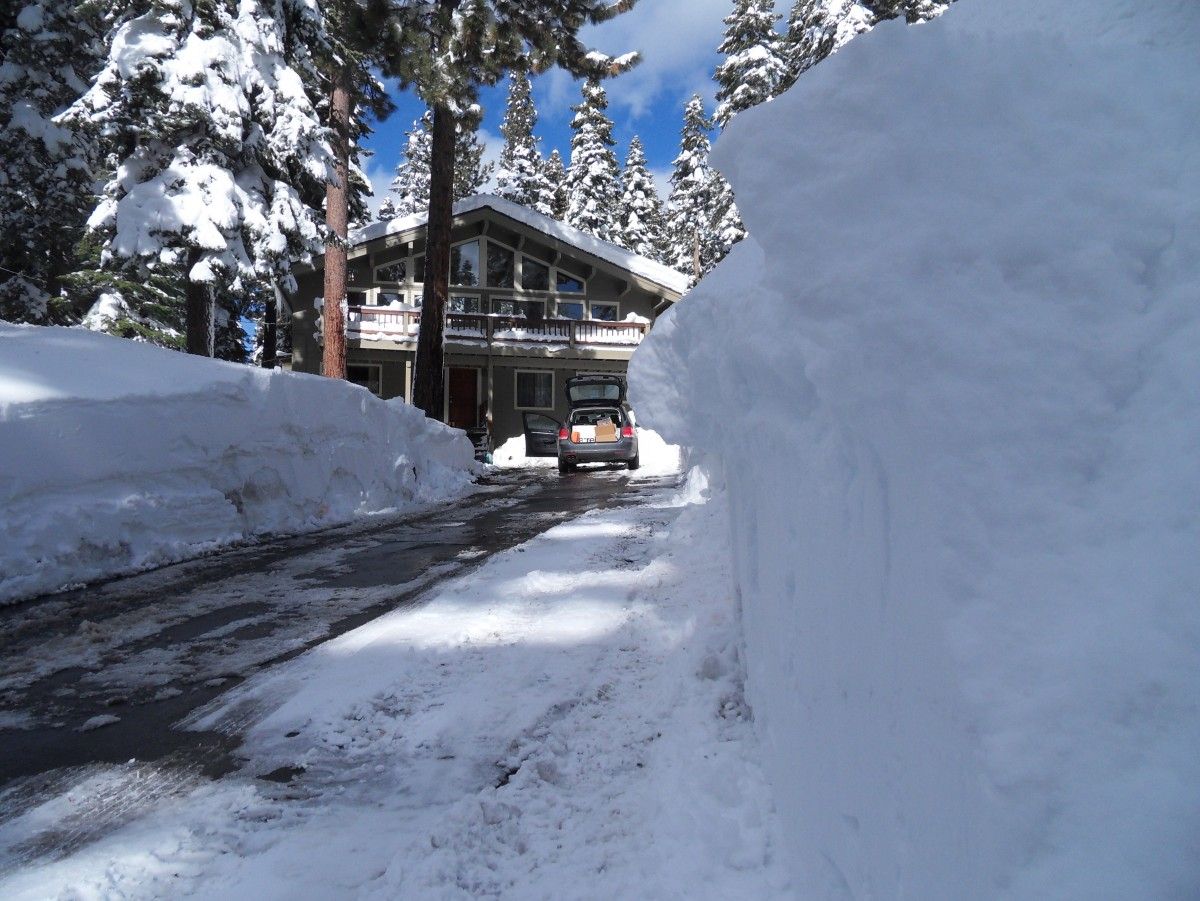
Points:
(606, 430)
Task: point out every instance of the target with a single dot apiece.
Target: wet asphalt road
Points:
(143, 652)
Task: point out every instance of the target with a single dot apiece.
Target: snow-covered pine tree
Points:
(817, 28)
(450, 49)
(642, 219)
(755, 65)
(521, 176)
(556, 179)
(913, 11)
(703, 221)
(812, 32)
(409, 190)
(48, 50)
(218, 147)
(593, 179)
(471, 173)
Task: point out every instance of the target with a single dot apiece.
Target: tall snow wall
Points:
(953, 385)
(116, 456)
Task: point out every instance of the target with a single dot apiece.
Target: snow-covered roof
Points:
(671, 279)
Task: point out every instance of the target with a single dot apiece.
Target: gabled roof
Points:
(671, 279)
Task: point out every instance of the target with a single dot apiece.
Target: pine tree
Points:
(409, 190)
(48, 50)
(522, 177)
(471, 173)
(755, 64)
(556, 180)
(451, 48)
(593, 179)
(703, 221)
(219, 146)
(356, 31)
(642, 222)
(812, 31)
(817, 28)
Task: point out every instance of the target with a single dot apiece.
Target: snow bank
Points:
(954, 391)
(657, 457)
(117, 456)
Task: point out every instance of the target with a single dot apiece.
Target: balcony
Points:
(475, 329)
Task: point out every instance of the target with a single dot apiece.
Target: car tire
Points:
(635, 462)
(564, 467)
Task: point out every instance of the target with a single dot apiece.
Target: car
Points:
(600, 428)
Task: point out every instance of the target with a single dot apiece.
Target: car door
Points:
(541, 435)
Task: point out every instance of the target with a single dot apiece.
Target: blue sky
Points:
(677, 40)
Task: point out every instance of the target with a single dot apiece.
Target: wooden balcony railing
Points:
(390, 323)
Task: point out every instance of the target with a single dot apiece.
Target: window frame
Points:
(476, 296)
(615, 304)
(480, 265)
(401, 261)
(517, 390)
(516, 271)
(517, 299)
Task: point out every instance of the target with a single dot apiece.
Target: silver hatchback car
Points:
(601, 426)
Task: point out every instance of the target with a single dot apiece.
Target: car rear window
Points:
(591, 417)
(594, 391)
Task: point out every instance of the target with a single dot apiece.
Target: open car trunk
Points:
(595, 426)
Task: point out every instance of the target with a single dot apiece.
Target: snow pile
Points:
(954, 390)
(657, 457)
(117, 456)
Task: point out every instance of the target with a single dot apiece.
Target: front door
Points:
(463, 391)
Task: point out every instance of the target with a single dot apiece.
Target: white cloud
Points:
(678, 41)
(493, 145)
(662, 181)
(380, 176)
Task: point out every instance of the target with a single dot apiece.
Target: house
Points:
(532, 302)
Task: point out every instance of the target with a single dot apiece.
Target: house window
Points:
(369, 375)
(392, 272)
(535, 276)
(463, 303)
(535, 389)
(464, 264)
(570, 309)
(527, 309)
(419, 268)
(567, 283)
(604, 312)
(390, 298)
(356, 298)
(502, 264)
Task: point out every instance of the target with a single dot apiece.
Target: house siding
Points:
(499, 363)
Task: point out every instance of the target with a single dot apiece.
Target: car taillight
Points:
(562, 435)
(627, 431)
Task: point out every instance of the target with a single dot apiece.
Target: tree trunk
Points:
(270, 348)
(428, 387)
(199, 311)
(337, 216)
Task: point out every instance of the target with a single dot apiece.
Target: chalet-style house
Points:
(533, 302)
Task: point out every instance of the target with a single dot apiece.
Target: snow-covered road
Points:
(564, 721)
